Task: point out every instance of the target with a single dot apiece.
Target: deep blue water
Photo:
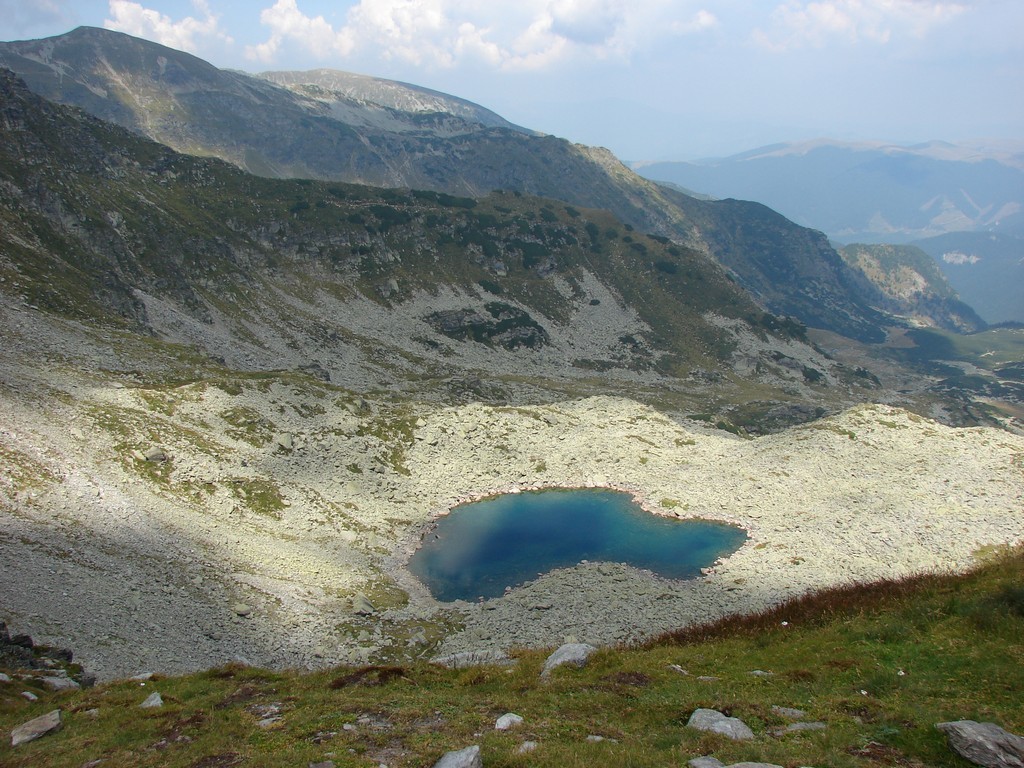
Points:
(481, 548)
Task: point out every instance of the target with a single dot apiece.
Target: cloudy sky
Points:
(650, 79)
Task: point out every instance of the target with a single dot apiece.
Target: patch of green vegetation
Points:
(667, 503)
(21, 472)
(394, 430)
(249, 425)
(260, 495)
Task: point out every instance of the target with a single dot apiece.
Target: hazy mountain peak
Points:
(1004, 152)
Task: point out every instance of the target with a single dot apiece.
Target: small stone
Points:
(4, 678)
(595, 739)
(28, 695)
(985, 744)
(463, 758)
(715, 722)
(526, 747)
(37, 728)
(153, 700)
(155, 455)
(241, 609)
(507, 721)
(761, 673)
(789, 713)
(705, 762)
(142, 677)
(576, 654)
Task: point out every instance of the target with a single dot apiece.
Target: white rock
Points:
(576, 654)
(715, 722)
(463, 758)
(507, 721)
(153, 700)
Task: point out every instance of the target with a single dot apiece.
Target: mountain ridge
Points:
(99, 223)
(273, 132)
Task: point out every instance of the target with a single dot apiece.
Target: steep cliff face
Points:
(313, 129)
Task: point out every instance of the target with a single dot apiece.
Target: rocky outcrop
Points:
(53, 667)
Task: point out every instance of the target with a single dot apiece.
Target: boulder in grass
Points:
(37, 728)
(984, 744)
(570, 653)
(507, 721)
(463, 758)
(714, 721)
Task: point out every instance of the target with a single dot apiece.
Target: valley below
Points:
(163, 512)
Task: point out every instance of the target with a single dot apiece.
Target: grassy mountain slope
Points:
(275, 131)
(876, 667)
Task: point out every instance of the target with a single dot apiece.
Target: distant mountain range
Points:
(870, 192)
(945, 198)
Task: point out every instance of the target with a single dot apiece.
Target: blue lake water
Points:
(481, 548)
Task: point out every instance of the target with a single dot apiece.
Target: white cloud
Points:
(134, 19)
(798, 23)
(288, 23)
(530, 34)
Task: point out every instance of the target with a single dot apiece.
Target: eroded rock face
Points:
(985, 744)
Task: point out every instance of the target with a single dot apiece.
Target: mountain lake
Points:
(481, 548)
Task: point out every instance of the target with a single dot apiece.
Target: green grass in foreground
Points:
(880, 664)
